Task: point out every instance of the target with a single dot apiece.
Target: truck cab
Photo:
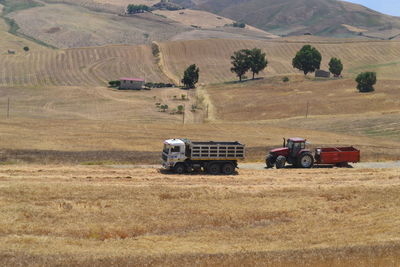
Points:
(173, 152)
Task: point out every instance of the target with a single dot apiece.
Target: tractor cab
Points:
(295, 145)
(293, 152)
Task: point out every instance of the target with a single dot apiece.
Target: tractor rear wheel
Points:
(306, 161)
(214, 169)
(280, 162)
(228, 168)
(269, 161)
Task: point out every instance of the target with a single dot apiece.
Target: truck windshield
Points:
(175, 149)
(166, 149)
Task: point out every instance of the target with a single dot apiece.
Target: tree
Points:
(335, 66)
(257, 60)
(308, 59)
(26, 48)
(191, 76)
(180, 109)
(164, 107)
(133, 9)
(365, 81)
(240, 62)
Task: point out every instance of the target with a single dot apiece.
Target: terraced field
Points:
(80, 66)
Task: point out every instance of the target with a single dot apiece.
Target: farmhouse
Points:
(131, 83)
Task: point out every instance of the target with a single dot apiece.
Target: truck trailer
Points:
(183, 155)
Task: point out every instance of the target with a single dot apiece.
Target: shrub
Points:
(114, 83)
(285, 79)
(26, 48)
(365, 82)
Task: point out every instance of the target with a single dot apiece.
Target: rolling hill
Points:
(293, 17)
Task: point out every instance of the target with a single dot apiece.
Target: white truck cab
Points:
(173, 152)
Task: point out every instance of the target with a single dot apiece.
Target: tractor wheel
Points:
(306, 161)
(180, 168)
(269, 161)
(214, 169)
(280, 162)
(228, 168)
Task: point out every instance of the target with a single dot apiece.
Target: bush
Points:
(114, 83)
(238, 25)
(26, 48)
(285, 79)
(158, 85)
(365, 82)
(134, 9)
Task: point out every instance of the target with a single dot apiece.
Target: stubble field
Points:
(103, 215)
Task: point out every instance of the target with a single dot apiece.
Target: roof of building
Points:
(132, 79)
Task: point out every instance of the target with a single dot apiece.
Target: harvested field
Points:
(213, 56)
(103, 28)
(119, 216)
(79, 66)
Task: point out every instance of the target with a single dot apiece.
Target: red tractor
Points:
(293, 152)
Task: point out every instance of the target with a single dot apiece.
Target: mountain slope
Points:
(293, 17)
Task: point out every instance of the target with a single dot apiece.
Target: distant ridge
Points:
(294, 17)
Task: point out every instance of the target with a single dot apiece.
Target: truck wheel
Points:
(180, 168)
(280, 162)
(306, 161)
(228, 168)
(269, 161)
(214, 169)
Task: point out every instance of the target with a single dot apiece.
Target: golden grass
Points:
(87, 215)
(213, 56)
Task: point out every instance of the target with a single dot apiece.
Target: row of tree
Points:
(307, 59)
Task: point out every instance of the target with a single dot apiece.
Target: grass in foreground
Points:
(98, 215)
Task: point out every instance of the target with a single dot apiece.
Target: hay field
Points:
(65, 26)
(80, 66)
(213, 56)
(9, 41)
(80, 215)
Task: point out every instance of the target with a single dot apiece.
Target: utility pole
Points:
(308, 104)
(8, 108)
(183, 115)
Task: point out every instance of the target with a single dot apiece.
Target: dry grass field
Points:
(65, 26)
(81, 215)
(213, 56)
(79, 66)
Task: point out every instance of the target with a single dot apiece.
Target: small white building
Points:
(131, 83)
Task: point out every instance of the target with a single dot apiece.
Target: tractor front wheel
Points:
(306, 161)
(269, 161)
(280, 162)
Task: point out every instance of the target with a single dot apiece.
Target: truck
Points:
(294, 152)
(183, 155)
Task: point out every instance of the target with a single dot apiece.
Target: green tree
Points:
(240, 62)
(335, 66)
(164, 107)
(365, 82)
(191, 76)
(180, 109)
(133, 9)
(308, 59)
(257, 60)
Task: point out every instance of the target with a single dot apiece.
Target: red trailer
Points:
(294, 152)
(337, 155)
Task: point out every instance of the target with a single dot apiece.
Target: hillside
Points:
(292, 17)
